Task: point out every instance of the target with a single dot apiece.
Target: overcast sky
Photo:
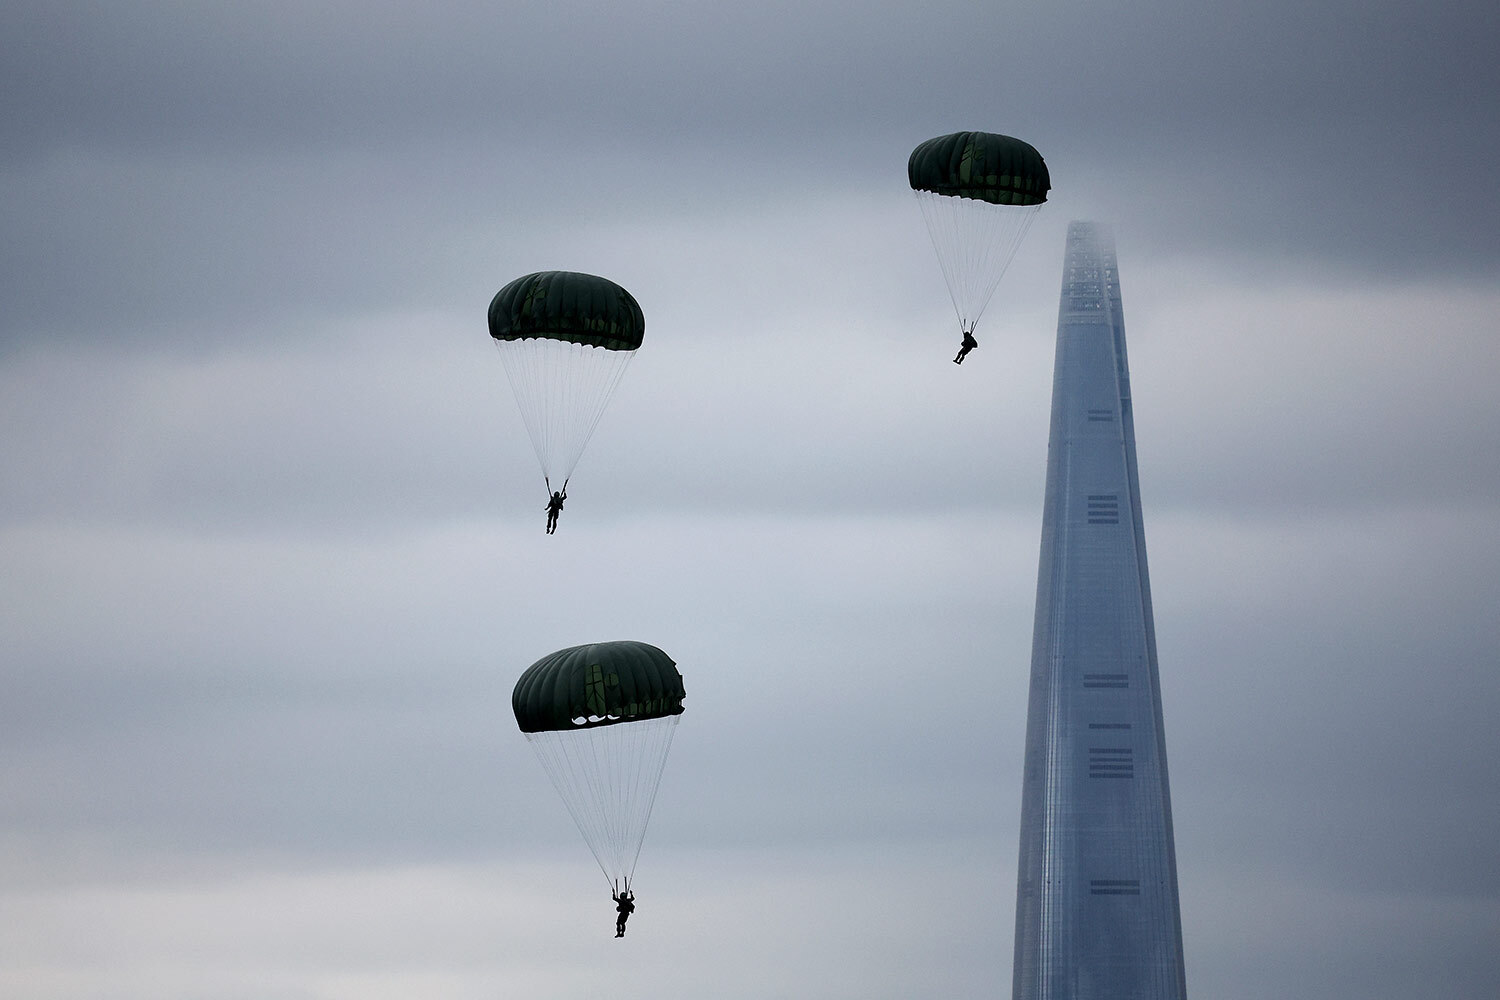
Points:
(272, 530)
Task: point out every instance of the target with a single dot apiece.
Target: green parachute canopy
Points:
(984, 166)
(599, 684)
(568, 306)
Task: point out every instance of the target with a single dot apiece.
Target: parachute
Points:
(601, 719)
(979, 193)
(565, 339)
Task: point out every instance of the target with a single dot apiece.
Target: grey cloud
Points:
(176, 165)
(348, 68)
(274, 549)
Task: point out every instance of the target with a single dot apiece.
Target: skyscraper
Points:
(1096, 901)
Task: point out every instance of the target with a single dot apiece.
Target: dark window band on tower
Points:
(1111, 762)
(1104, 508)
(1102, 416)
(1109, 725)
(1115, 887)
(1106, 680)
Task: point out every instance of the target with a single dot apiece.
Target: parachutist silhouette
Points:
(554, 507)
(968, 345)
(625, 906)
(979, 192)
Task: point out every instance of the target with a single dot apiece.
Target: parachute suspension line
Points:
(608, 777)
(975, 242)
(587, 400)
(637, 785)
(656, 742)
(562, 390)
(576, 785)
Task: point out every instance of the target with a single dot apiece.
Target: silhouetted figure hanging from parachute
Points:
(601, 719)
(969, 343)
(624, 907)
(554, 508)
(979, 193)
(566, 339)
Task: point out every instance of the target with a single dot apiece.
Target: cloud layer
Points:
(272, 528)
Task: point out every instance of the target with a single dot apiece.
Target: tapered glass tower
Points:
(1096, 902)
